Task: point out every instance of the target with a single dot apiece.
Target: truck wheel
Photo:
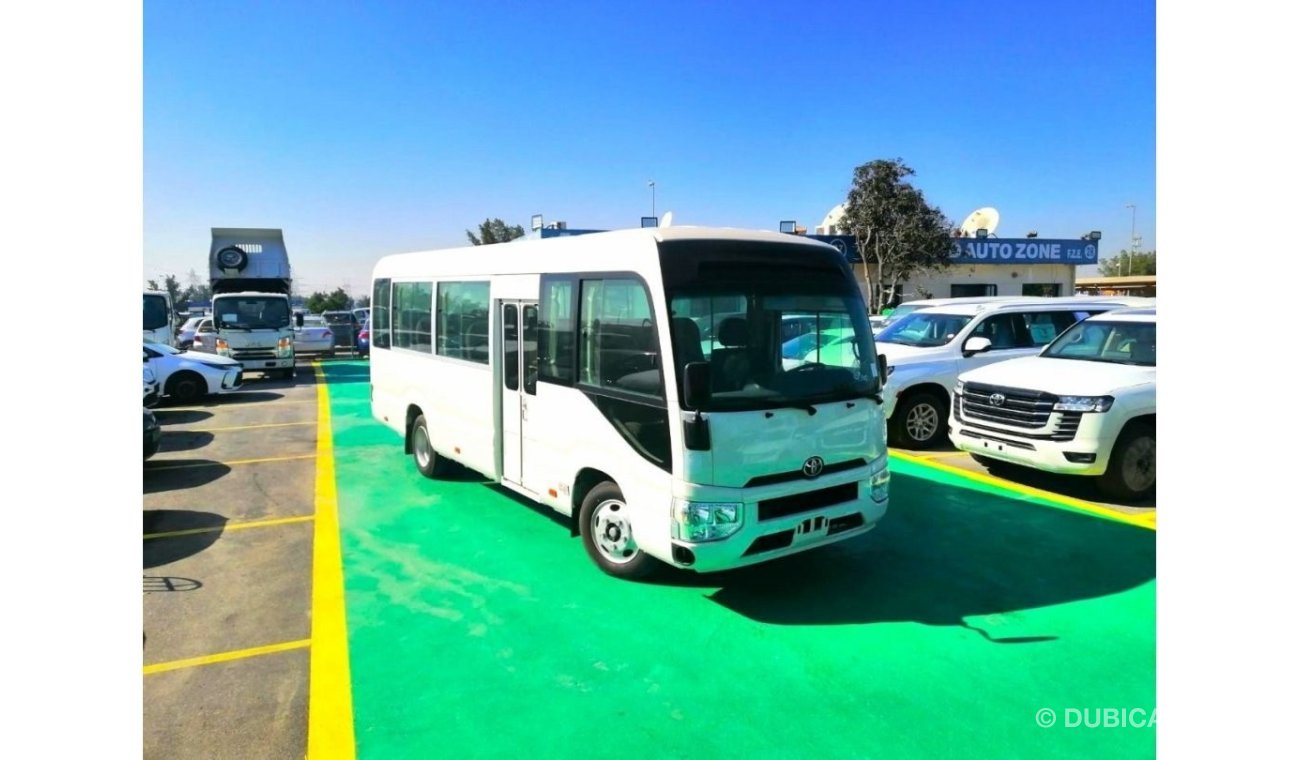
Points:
(1131, 473)
(186, 387)
(607, 534)
(427, 461)
(920, 420)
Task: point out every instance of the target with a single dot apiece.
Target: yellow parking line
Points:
(232, 526)
(230, 463)
(247, 427)
(238, 654)
(329, 702)
(941, 455)
(1146, 520)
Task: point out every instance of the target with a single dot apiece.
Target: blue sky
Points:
(368, 129)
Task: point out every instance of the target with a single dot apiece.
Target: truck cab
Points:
(250, 277)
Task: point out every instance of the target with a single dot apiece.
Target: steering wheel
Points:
(647, 322)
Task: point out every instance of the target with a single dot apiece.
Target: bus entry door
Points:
(518, 385)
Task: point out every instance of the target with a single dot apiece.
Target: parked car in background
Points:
(185, 336)
(363, 339)
(152, 434)
(151, 392)
(362, 315)
(907, 307)
(927, 349)
(345, 327)
(204, 339)
(187, 376)
(313, 336)
(1085, 406)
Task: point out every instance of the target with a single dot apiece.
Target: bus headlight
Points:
(284, 348)
(880, 485)
(697, 521)
(223, 347)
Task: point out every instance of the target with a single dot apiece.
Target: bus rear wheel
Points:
(606, 529)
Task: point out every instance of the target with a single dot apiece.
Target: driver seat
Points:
(730, 365)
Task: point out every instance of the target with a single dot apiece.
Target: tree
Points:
(896, 228)
(172, 286)
(494, 231)
(196, 291)
(363, 302)
(1127, 264)
(336, 301)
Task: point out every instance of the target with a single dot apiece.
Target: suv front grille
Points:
(1021, 409)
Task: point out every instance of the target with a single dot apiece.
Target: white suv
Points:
(927, 349)
(1085, 406)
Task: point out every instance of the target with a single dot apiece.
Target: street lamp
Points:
(652, 197)
(1132, 236)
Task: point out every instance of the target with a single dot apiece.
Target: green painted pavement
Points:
(478, 627)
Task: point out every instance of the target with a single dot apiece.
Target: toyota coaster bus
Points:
(572, 370)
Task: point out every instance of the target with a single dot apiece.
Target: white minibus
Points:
(574, 371)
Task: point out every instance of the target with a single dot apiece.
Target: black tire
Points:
(427, 461)
(635, 565)
(289, 374)
(928, 406)
(186, 387)
(1131, 472)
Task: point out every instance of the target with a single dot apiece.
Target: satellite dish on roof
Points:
(667, 221)
(980, 219)
(832, 220)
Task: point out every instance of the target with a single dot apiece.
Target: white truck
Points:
(249, 273)
(1085, 406)
(159, 322)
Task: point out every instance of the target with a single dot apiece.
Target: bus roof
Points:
(637, 248)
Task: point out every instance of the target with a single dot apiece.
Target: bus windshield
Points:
(251, 312)
(778, 325)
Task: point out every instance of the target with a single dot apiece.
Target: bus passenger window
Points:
(619, 347)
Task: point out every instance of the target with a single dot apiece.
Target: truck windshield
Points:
(1113, 342)
(778, 325)
(155, 312)
(251, 312)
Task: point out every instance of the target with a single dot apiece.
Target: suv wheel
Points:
(1131, 473)
(920, 421)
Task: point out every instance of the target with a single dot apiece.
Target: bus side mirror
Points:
(697, 384)
(297, 319)
(882, 368)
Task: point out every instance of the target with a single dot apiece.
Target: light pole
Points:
(652, 197)
(1132, 237)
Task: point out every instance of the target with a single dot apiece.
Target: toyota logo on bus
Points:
(997, 399)
(813, 467)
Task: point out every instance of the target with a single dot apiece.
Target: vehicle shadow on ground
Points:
(942, 554)
(180, 416)
(1064, 485)
(239, 396)
(175, 474)
(1078, 488)
(184, 440)
(163, 550)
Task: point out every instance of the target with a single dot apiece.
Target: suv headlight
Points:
(698, 521)
(1083, 403)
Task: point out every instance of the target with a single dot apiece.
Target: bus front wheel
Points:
(427, 460)
(606, 529)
